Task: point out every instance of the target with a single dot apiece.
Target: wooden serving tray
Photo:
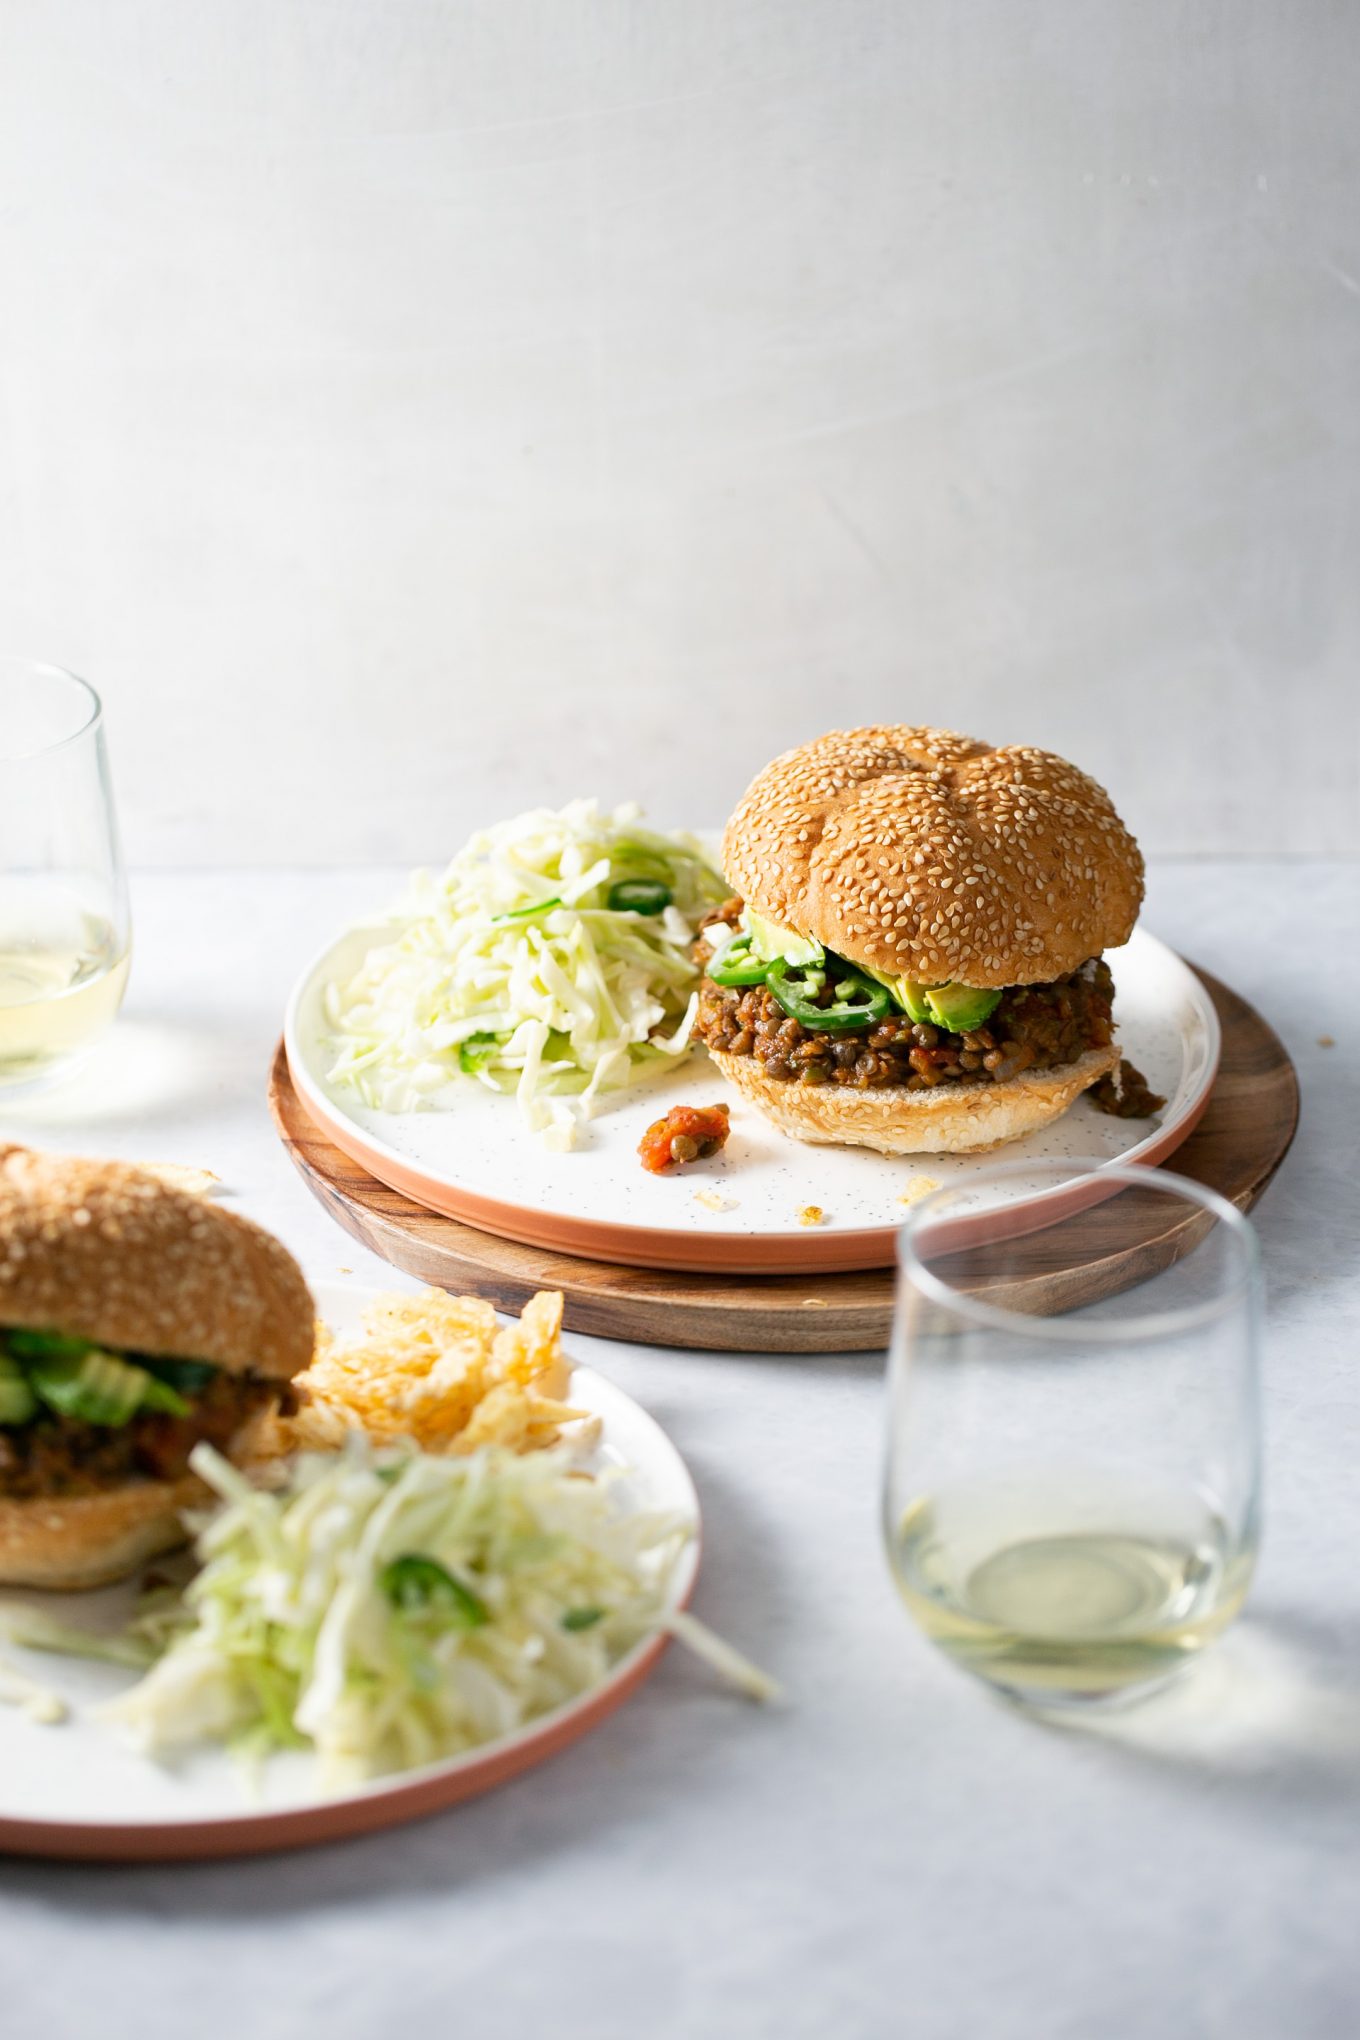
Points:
(1236, 1148)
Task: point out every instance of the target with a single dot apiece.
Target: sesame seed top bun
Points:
(931, 856)
(108, 1252)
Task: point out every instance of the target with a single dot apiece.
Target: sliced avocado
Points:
(910, 996)
(101, 1388)
(17, 1400)
(960, 1008)
(914, 999)
(770, 940)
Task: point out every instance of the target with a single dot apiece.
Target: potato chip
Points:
(436, 1370)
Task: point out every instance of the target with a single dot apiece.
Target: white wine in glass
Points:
(1072, 1490)
(1046, 1590)
(64, 934)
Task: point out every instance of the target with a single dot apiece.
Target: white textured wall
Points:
(411, 408)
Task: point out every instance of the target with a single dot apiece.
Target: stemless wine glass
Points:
(64, 930)
(1072, 1493)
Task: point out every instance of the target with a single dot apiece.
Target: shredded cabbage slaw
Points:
(309, 1625)
(514, 970)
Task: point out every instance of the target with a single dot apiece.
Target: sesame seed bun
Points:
(107, 1252)
(932, 856)
(947, 1119)
(71, 1543)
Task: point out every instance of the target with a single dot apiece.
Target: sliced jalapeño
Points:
(858, 1002)
(739, 965)
(638, 896)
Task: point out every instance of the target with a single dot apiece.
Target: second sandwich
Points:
(912, 959)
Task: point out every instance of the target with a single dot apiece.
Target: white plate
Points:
(75, 1790)
(477, 1162)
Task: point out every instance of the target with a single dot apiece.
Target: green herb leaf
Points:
(416, 1584)
(582, 1618)
(525, 913)
(638, 896)
(190, 1377)
(476, 1052)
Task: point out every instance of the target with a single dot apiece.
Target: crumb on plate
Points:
(180, 1176)
(713, 1200)
(39, 1703)
(811, 1214)
(1326, 1041)
(917, 1188)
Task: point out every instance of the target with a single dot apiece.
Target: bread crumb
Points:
(811, 1214)
(179, 1176)
(917, 1188)
(1326, 1041)
(713, 1200)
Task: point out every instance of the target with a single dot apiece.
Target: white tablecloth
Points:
(892, 1852)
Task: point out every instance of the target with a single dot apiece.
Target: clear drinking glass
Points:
(1072, 1492)
(64, 931)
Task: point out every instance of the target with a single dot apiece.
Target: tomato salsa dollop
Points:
(687, 1134)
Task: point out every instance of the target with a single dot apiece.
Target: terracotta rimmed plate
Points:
(73, 1790)
(738, 1213)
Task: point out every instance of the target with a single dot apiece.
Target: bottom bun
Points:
(948, 1119)
(79, 1541)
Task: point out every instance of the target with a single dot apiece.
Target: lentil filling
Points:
(1035, 1027)
(58, 1456)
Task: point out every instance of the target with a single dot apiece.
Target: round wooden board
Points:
(1236, 1148)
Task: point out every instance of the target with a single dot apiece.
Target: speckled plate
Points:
(739, 1212)
(73, 1790)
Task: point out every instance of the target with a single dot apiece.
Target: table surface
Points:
(892, 1850)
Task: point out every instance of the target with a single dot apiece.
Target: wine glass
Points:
(64, 929)
(1072, 1492)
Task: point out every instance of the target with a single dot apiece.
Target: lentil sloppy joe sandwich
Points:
(912, 961)
(136, 1319)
